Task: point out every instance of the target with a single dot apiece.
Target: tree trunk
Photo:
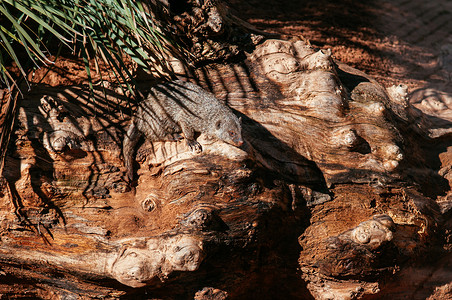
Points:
(329, 197)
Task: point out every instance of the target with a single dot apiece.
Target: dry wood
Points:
(325, 161)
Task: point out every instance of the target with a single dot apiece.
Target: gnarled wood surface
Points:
(331, 179)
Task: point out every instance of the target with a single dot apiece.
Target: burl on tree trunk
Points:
(324, 199)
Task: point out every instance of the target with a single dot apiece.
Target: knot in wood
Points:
(149, 203)
(200, 218)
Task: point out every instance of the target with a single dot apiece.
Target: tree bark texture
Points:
(329, 197)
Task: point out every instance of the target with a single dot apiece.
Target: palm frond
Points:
(108, 29)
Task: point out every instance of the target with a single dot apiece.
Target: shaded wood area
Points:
(331, 195)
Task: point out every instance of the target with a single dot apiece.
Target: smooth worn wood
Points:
(323, 182)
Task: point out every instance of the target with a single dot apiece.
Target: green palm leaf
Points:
(108, 29)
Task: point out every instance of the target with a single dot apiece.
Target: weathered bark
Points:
(331, 179)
